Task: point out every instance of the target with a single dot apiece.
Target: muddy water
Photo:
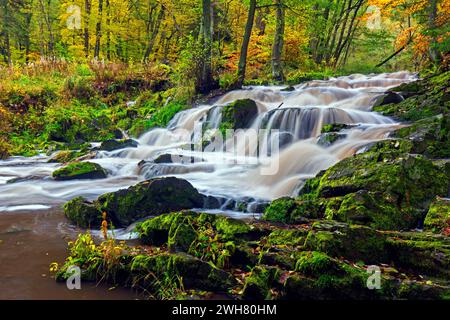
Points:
(29, 242)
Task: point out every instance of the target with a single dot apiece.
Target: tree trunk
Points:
(28, 17)
(98, 30)
(434, 54)
(153, 33)
(278, 42)
(87, 8)
(7, 51)
(108, 31)
(206, 82)
(246, 40)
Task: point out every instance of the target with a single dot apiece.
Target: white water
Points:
(300, 119)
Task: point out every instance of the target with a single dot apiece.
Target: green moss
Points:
(239, 114)
(80, 170)
(438, 216)
(82, 213)
(289, 210)
(315, 263)
(259, 282)
(287, 237)
(351, 241)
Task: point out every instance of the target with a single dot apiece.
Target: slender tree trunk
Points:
(278, 42)
(335, 26)
(27, 36)
(246, 40)
(87, 8)
(98, 30)
(153, 33)
(349, 32)
(7, 51)
(48, 24)
(341, 34)
(108, 30)
(206, 82)
(434, 54)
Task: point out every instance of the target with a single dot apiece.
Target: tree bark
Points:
(246, 40)
(87, 8)
(153, 33)
(278, 42)
(206, 82)
(433, 52)
(98, 30)
(7, 52)
(108, 31)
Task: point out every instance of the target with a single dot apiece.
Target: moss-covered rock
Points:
(179, 230)
(387, 98)
(83, 213)
(423, 253)
(328, 138)
(239, 114)
(430, 136)
(336, 127)
(192, 272)
(290, 210)
(64, 156)
(259, 282)
(353, 242)
(151, 197)
(385, 187)
(438, 216)
(112, 144)
(426, 98)
(80, 170)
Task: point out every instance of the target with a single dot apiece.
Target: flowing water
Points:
(292, 118)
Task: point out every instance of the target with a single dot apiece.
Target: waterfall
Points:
(234, 169)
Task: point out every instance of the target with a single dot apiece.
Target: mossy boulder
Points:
(438, 216)
(320, 277)
(258, 284)
(178, 230)
(239, 114)
(336, 127)
(65, 156)
(290, 210)
(423, 253)
(192, 272)
(387, 98)
(385, 187)
(328, 138)
(151, 197)
(83, 213)
(426, 98)
(80, 170)
(353, 242)
(430, 136)
(112, 144)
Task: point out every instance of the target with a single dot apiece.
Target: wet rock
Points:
(388, 98)
(177, 231)
(336, 127)
(386, 187)
(430, 98)
(239, 114)
(80, 170)
(425, 253)
(151, 197)
(22, 179)
(111, 145)
(327, 139)
(174, 158)
(64, 156)
(194, 273)
(83, 213)
(258, 284)
(438, 216)
(353, 242)
(290, 210)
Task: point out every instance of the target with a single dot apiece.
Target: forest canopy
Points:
(280, 37)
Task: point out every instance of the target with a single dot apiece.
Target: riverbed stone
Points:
(239, 114)
(438, 216)
(113, 144)
(80, 170)
(83, 213)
